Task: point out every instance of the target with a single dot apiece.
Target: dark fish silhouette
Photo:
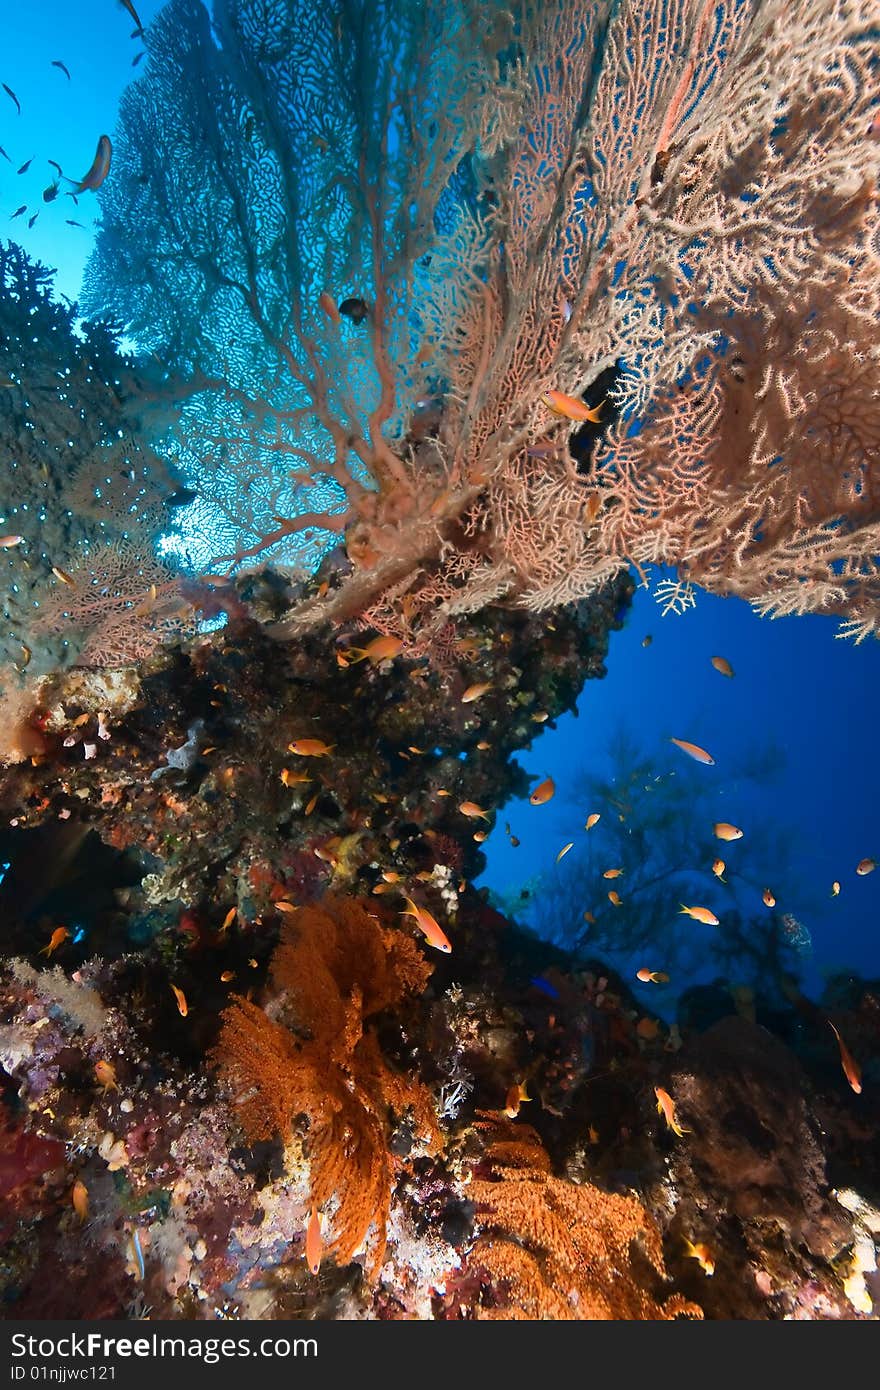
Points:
(134, 14)
(71, 223)
(100, 168)
(57, 63)
(56, 166)
(50, 193)
(5, 155)
(32, 220)
(137, 57)
(18, 212)
(183, 497)
(10, 93)
(354, 309)
(27, 164)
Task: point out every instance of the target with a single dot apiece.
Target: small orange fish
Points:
(540, 717)
(666, 1108)
(9, 542)
(718, 867)
(484, 745)
(294, 779)
(182, 1006)
(227, 976)
(429, 925)
(100, 166)
(380, 649)
(866, 866)
(564, 850)
(615, 899)
(106, 1074)
(652, 977)
(592, 819)
(647, 1028)
(589, 917)
(284, 905)
(612, 873)
(481, 835)
(701, 914)
(835, 888)
(851, 1069)
(328, 304)
(391, 876)
(470, 808)
(63, 576)
(646, 641)
(694, 751)
(79, 1196)
(543, 793)
(313, 1242)
(723, 830)
(571, 408)
(768, 898)
(59, 935)
(702, 1253)
(514, 1099)
(229, 918)
(310, 748)
(722, 665)
(514, 842)
(474, 692)
(311, 804)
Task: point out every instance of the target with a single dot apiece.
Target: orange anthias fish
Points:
(768, 898)
(311, 748)
(514, 1099)
(229, 919)
(106, 1074)
(866, 866)
(615, 899)
(703, 1253)
(851, 1068)
(666, 1108)
(723, 665)
(9, 542)
(182, 1006)
(294, 779)
(612, 873)
(694, 751)
(835, 888)
(79, 1196)
(723, 830)
(474, 692)
(100, 167)
(652, 977)
(592, 819)
(571, 408)
(380, 649)
(59, 935)
(564, 851)
(470, 808)
(701, 914)
(313, 1242)
(718, 867)
(543, 793)
(434, 935)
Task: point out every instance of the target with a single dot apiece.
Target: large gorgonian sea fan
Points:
(678, 199)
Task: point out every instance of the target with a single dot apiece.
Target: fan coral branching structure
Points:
(336, 967)
(378, 275)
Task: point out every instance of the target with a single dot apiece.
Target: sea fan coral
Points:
(558, 1249)
(338, 966)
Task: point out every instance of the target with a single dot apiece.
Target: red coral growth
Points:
(338, 967)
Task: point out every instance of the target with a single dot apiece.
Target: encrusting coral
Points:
(337, 966)
(560, 1249)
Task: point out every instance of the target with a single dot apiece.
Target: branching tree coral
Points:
(382, 231)
(558, 1249)
(334, 968)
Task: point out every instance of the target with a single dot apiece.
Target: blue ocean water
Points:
(799, 712)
